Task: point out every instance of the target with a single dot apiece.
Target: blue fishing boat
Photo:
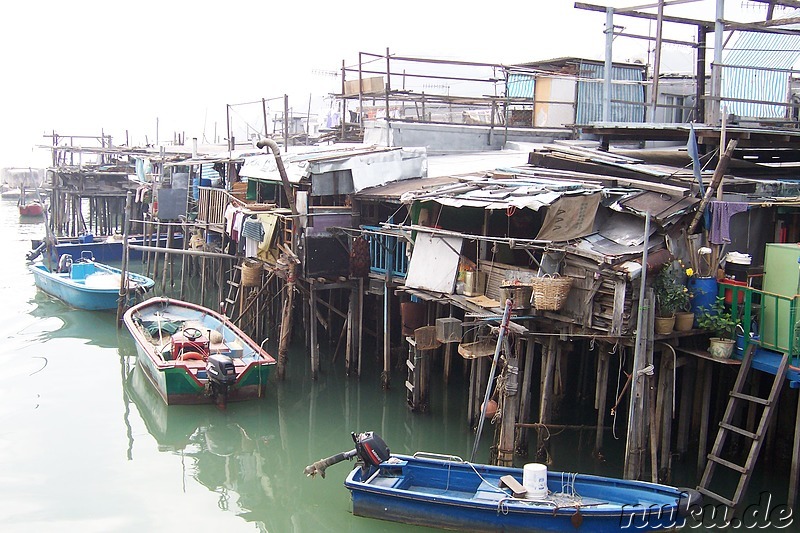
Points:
(447, 492)
(193, 355)
(86, 284)
(104, 249)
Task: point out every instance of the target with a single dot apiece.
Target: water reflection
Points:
(226, 451)
(56, 320)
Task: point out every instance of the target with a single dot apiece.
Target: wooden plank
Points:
(617, 320)
(517, 489)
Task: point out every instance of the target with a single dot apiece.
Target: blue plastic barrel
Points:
(704, 293)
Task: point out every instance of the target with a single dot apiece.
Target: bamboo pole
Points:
(501, 335)
(719, 171)
(633, 445)
(123, 285)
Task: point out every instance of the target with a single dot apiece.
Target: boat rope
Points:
(493, 487)
(43, 366)
(619, 379)
(568, 484)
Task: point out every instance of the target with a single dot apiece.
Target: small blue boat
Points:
(105, 249)
(447, 492)
(86, 284)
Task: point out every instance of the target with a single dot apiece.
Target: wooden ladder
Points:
(413, 390)
(234, 284)
(726, 426)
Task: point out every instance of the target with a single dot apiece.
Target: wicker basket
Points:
(251, 273)
(550, 292)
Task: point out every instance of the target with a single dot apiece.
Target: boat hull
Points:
(451, 495)
(31, 210)
(186, 382)
(110, 251)
(73, 289)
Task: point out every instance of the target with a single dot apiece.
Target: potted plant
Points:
(684, 316)
(719, 322)
(671, 296)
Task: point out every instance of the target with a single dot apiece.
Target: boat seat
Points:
(193, 363)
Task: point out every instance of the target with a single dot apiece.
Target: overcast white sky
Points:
(86, 66)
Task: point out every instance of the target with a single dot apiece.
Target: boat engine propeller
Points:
(370, 449)
(221, 374)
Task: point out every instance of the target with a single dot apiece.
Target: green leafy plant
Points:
(671, 294)
(718, 320)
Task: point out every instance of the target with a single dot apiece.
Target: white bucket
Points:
(534, 478)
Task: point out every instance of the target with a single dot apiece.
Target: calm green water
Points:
(86, 445)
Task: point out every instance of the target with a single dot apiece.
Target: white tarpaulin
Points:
(369, 168)
(264, 167)
(434, 263)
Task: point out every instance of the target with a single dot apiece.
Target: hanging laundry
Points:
(721, 213)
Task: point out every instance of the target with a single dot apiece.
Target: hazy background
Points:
(160, 67)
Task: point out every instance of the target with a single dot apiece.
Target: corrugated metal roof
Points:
(590, 94)
(520, 86)
(764, 50)
(503, 191)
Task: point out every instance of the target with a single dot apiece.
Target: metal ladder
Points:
(726, 426)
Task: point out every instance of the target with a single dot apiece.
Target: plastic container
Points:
(737, 266)
(704, 294)
(448, 330)
(474, 283)
(729, 292)
(534, 478)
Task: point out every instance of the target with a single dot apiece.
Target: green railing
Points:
(775, 314)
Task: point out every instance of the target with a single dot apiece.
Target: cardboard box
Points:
(373, 85)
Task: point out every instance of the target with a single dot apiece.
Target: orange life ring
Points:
(186, 356)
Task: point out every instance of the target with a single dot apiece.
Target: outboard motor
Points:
(370, 449)
(65, 263)
(221, 376)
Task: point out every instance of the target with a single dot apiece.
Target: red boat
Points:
(33, 209)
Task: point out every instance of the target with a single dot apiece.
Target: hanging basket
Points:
(251, 273)
(550, 292)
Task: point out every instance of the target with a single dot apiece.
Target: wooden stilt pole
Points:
(286, 322)
(545, 403)
(387, 334)
(601, 396)
(509, 404)
(166, 260)
(312, 325)
(157, 245)
(705, 371)
(521, 444)
(123, 282)
(666, 376)
(348, 360)
(360, 325)
(685, 408)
